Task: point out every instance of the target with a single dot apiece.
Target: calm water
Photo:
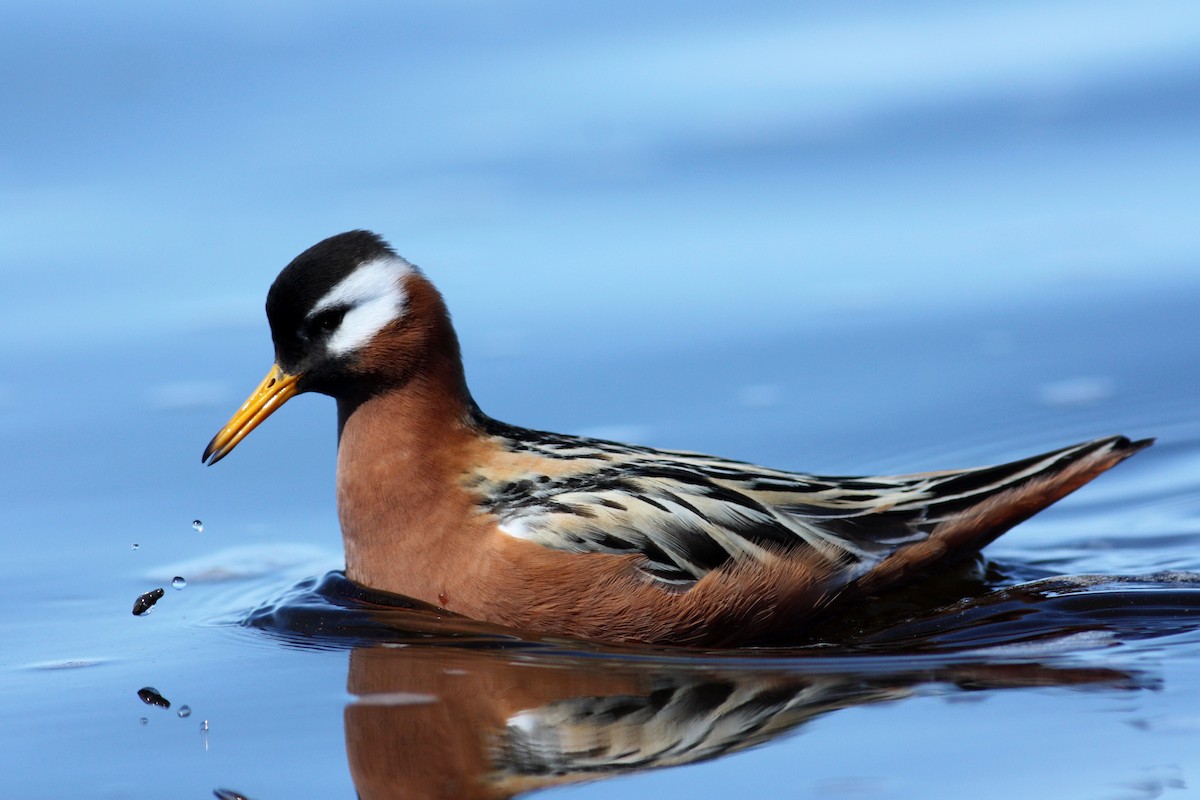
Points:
(843, 240)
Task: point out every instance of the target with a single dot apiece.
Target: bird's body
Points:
(582, 537)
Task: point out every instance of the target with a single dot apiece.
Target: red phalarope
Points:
(583, 537)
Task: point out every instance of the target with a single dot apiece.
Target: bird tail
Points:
(973, 507)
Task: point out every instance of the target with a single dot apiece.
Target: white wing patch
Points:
(375, 297)
(517, 529)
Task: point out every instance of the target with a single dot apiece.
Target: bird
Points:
(586, 538)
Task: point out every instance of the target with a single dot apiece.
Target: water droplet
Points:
(228, 794)
(185, 711)
(178, 582)
(134, 546)
(204, 726)
(146, 601)
(143, 721)
(198, 525)
(151, 697)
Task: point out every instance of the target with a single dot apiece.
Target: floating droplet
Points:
(146, 601)
(151, 697)
(178, 582)
(228, 794)
(198, 525)
(185, 711)
(204, 726)
(134, 546)
(143, 721)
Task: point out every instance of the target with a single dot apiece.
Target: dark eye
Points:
(326, 322)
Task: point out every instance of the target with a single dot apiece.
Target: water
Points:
(1090, 686)
(845, 239)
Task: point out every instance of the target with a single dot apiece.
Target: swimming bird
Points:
(587, 538)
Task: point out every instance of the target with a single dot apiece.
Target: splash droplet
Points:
(185, 711)
(228, 794)
(134, 546)
(178, 582)
(198, 525)
(143, 721)
(151, 697)
(146, 601)
(204, 726)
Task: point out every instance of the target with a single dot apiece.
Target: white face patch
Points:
(375, 298)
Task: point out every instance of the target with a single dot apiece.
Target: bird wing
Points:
(687, 514)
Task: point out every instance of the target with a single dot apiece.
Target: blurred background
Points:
(841, 237)
(560, 165)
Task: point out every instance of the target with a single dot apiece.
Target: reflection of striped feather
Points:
(688, 514)
(686, 716)
(681, 721)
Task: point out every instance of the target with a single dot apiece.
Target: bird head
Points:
(349, 318)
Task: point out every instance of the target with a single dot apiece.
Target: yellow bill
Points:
(273, 392)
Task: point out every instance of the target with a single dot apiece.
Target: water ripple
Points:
(1047, 616)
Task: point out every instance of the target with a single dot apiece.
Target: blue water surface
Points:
(837, 237)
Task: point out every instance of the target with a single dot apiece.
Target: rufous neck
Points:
(436, 399)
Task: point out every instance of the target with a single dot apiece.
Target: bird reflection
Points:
(447, 707)
(437, 722)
